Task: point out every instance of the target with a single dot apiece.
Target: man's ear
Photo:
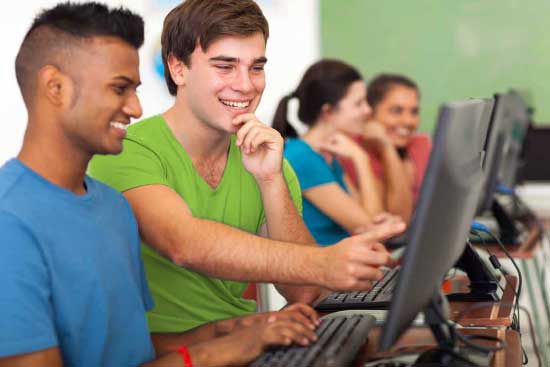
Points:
(54, 85)
(178, 70)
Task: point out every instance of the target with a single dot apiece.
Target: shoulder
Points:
(141, 128)
(10, 174)
(17, 184)
(109, 199)
(103, 190)
(294, 146)
(420, 140)
(15, 234)
(420, 150)
(146, 134)
(108, 195)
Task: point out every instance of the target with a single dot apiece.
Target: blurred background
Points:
(454, 50)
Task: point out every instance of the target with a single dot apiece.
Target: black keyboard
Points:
(378, 297)
(340, 339)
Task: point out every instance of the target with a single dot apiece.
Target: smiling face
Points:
(352, 111)
(224, 81)
(103, 101)
(398, 111)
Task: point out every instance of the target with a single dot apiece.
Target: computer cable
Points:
(467, 339)
(507, 253)
(498, 266)
(515, 325)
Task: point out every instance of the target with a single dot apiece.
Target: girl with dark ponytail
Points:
(332, 103)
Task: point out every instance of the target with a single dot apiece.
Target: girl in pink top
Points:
(399, 155)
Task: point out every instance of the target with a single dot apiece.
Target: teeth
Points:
(403, 131)
(235, 104)
(119, 125)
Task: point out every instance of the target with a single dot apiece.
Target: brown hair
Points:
(325, 82)
(381, 84)
(203, 22)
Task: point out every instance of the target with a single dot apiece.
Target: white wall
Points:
(293, 45)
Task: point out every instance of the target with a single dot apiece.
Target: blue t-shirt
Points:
(71, 275)
(313, 170)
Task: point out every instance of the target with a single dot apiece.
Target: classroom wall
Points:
(453, 49)
(293, 45)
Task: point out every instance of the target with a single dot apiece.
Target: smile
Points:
(119, 125)
(236, 104)
(402, 131)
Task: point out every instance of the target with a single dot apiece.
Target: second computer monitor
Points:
(505, 142)
(448, 201)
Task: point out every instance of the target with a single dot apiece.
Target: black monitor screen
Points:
(448, 201)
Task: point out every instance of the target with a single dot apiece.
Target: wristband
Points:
(184, 353)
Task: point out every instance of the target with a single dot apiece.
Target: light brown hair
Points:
(204, 21)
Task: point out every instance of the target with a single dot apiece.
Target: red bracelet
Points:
(184, 352)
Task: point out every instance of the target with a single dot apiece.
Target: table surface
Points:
(488, 314)
(420, 339)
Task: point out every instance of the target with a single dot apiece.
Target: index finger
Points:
(382, 232)
(306, 310)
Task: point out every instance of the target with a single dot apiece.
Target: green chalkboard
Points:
(453, 49)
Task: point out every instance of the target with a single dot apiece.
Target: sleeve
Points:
(311, 169)
(26, 324)
(293, 186)
(136, 166)
(135, 240)
(148, 301)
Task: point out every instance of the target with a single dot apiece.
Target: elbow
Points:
(178, 257)
(180, 254)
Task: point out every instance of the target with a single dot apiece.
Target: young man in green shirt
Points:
(205, 178)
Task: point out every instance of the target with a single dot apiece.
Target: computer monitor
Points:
(515, 132)
(507, 132)
(448, 199)
(509, 125)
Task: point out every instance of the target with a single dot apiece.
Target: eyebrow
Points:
(259, 60)
(128, 80)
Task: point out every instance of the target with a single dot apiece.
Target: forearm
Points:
(167, 342)
(212, 353)
(398, 194)
(224, 252)
(370, 198)
(284, 223)
(229, 350)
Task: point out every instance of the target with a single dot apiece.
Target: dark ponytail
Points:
(280, 120)
(325, 82)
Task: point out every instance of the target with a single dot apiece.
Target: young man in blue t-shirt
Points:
(72, 281)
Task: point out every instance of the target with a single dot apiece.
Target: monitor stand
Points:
(509, 230)
(484, 287)
(447, 353)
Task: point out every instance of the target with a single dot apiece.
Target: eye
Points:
(396, 110)
(258, 68)
(119, 89)
(224, 67)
